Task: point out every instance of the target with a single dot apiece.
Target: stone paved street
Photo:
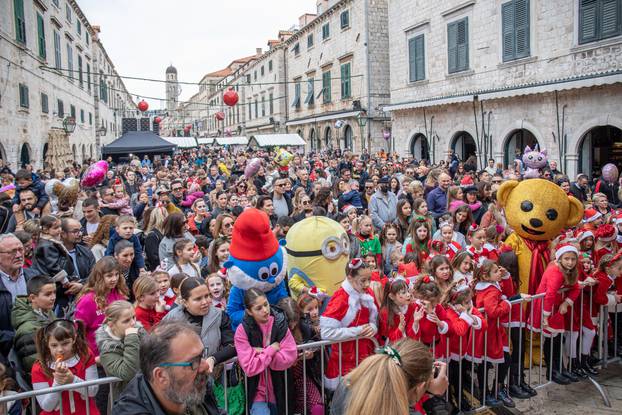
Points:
(579, 398)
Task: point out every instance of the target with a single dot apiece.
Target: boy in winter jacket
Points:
(26, 180)
(29, 314)
(124, 229)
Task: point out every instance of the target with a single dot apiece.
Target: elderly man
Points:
(27, 203)
(437, 198)
(383, 205)
(12, 284)
(174, 375)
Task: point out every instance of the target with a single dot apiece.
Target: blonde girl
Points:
(150, 308)
(369, 243)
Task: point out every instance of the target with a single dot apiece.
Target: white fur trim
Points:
(443, 328)
(464, 316)
(477, 323)
(565, 249)
(482, 285)
(584, 235)
(330, 322)
(593, 217)
(331, 383)
(355, 301)
(611, 301)
(569, 301)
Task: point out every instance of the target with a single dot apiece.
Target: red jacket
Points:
(430, 333)
(149, 318)
(390, 330)
(492, 342)
(460, 337)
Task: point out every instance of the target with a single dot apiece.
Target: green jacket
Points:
(26, 322)
(119, 357)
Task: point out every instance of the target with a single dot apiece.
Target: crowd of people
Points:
(128, 280)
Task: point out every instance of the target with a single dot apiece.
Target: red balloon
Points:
(220, 115)
(230, 97)
(157, 120)
(143, 106)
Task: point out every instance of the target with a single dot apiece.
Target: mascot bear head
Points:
(537, 209)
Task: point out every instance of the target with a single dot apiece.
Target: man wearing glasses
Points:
(27, 203)
(106, 195)
(173, 377)
(177, 193)
(12, 284)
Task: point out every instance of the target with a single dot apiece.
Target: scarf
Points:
(540, 256)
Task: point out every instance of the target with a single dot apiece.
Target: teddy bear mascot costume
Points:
(537, 210)
(318, 250)
(256, 260)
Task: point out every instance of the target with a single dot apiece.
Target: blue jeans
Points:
(263, 408)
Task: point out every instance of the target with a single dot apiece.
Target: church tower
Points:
(172, 88)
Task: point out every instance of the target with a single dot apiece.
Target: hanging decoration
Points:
(386, 134)
(220, 116)
(230, 97)
(143, 106)
(157, 120)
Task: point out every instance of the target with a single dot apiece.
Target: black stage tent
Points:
(138, 143)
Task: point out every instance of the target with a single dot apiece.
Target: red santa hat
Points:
(252, 238)
(347, 208)
(617, 219)
(583, 234)
(466, 181)
(591, 215)
(606, 233)
(564, 248)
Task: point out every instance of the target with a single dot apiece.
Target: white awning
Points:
(232, 141)
(182, 142)
(319, 118)
(268, 140)
(206, 140)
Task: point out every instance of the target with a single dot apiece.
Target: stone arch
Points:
(347, 137)
(515, 142)
(24, 155)
(518, 125)
(328, 137)
(577, 138)
(312, 140)
(2, 153)
(463, 144)
(419, 147)
(598, 145)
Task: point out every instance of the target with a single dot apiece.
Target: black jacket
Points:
(139, 399)
(5, 216)
(152, 245)
(578, 192)
(279, 330)
(86, 261)
(7, 332)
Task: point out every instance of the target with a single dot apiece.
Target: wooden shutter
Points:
(588, 24)
(419, 58)
(609, 18)
(20, 22)
(412, 70)
(508, 30)
(452, 47)
(463, 45)
(41, 36)
(521, 16)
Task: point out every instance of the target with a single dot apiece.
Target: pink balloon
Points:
(610, 172)
(94, 175)
(252, 168)
(103, 164)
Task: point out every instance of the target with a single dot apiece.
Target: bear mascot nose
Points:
(536, 223)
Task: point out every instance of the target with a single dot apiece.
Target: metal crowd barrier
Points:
(31, 395)
(534, 373)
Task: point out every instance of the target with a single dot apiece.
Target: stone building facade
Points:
(53, 66)
(489, 77)
(337, 67)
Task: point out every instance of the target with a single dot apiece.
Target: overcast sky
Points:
(143, 37)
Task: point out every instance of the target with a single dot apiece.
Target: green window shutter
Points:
(610, 18)
(57, 55)
(521, 20)
(588, 23)
(419, 58)
(326, 92)
(41, 36)
(452, 47)
(309, 100)
(20, 21)
(412, 71)
(508, 31)
(463, 44)
(345, 81)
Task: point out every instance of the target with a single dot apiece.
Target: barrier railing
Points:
(72, 387)
(563, 349)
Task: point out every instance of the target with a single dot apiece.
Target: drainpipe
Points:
(368, 63)
(284, 49)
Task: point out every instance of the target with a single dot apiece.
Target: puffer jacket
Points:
(119, 357)
(26, 322)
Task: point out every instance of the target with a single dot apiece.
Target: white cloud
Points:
(143, 37)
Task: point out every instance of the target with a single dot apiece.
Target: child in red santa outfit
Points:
(397, 310)
(606, 237)
(585, 239)
(592, 219)
(477, 239)
(548, 312)
(491, 345)
(351, 312)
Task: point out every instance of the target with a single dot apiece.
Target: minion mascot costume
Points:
(537, 210)
(318, 249)
(256, 260)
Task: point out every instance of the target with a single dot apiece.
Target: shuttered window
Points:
(310, 98)
(80, 74)
(326, 92)
(599, 19)
(57, 56)
(24, 101)
(515, 27)
(44, 103)
(344, 19)
(296, 103)
(70, 73)
(458, 45)
(41, 36)
(326, 31)
(346, 83)
(416, 58)
(20, 21)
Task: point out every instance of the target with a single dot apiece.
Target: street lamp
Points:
(102, 130)
(362, 119)
(69, 125)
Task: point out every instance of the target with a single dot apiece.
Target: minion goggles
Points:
(331, 249)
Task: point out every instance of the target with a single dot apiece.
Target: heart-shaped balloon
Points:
(95, 174)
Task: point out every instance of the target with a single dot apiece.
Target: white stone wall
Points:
(21, 64)
(555, 54)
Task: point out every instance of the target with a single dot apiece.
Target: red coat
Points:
(390, 330)
(149, 318)
(346, 311)
(492, 342)
(430, 333)
(462, 327)
(551, 283)
(598, 254)
(517, 317)
(481, 255)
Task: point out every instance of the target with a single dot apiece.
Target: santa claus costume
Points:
(605, 237)
(592, 219)
(347, 311)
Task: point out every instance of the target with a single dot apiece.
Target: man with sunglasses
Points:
(281, 201)
(173, 377)
(106, 194)
(177, 193)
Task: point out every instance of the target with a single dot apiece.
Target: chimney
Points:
(258, 51)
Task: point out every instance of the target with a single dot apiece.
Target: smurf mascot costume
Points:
(256, 260)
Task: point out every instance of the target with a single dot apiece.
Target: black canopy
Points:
(138, 142)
